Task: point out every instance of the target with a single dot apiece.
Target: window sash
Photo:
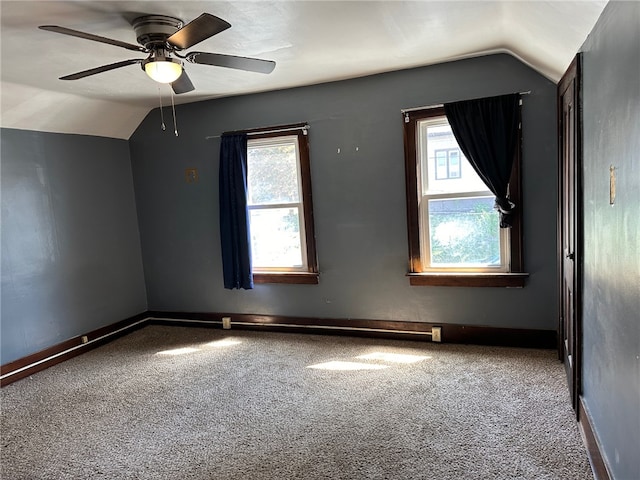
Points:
(283, 140)
(423, 166)
(425, 239)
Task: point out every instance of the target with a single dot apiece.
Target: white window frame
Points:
(275, 141)
(424, 196)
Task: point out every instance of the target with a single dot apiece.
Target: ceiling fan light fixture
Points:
(163, 69)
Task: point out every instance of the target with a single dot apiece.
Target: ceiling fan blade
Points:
(90, 36)
(231, 61)
(103, 68)
(203, 27)
(182, 84)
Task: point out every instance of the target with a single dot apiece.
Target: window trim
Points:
(417, 274)
(311, 275)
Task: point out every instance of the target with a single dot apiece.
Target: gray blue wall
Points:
(357, 168)
(71, 258)
(611, 307)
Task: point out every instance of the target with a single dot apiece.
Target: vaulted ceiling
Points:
(310, 41)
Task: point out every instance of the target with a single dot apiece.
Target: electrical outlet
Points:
(436, 334)
(226, 323)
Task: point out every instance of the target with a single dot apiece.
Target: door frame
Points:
(573, 76)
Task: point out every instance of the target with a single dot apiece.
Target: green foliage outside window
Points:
(272, 174)
(464, 234)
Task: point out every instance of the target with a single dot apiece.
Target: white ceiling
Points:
(310, 41)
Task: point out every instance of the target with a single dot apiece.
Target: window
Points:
(447, 163)
(280, 210)
(454, 232)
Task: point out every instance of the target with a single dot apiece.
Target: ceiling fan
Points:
(163, 38)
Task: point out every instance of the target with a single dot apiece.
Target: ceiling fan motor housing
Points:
(152, 31)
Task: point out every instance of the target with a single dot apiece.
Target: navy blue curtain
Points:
(234, 216)
(487, 131)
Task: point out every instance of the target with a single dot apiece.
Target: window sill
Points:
(511, 280)
(294, 278)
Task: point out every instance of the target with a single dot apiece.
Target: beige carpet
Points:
(194, 403)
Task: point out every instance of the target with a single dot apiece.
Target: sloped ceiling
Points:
(310, 41)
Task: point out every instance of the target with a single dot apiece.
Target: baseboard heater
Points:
(451, 333)
(26, 366)
(434, 332)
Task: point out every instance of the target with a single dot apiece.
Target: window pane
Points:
(464, 232)
(275, 237)
(437, 137)
(441, 164)
(454, 164)
(272, 173)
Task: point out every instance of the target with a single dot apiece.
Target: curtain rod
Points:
(413, 109)
(256, 131)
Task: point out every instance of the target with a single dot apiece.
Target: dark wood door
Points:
(569, 209)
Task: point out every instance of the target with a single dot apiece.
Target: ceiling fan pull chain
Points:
(173, 109)
(161, 113)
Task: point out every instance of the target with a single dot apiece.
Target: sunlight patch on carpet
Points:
(394, 357)
(179, 351)
(339, 365)
(225, 342)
